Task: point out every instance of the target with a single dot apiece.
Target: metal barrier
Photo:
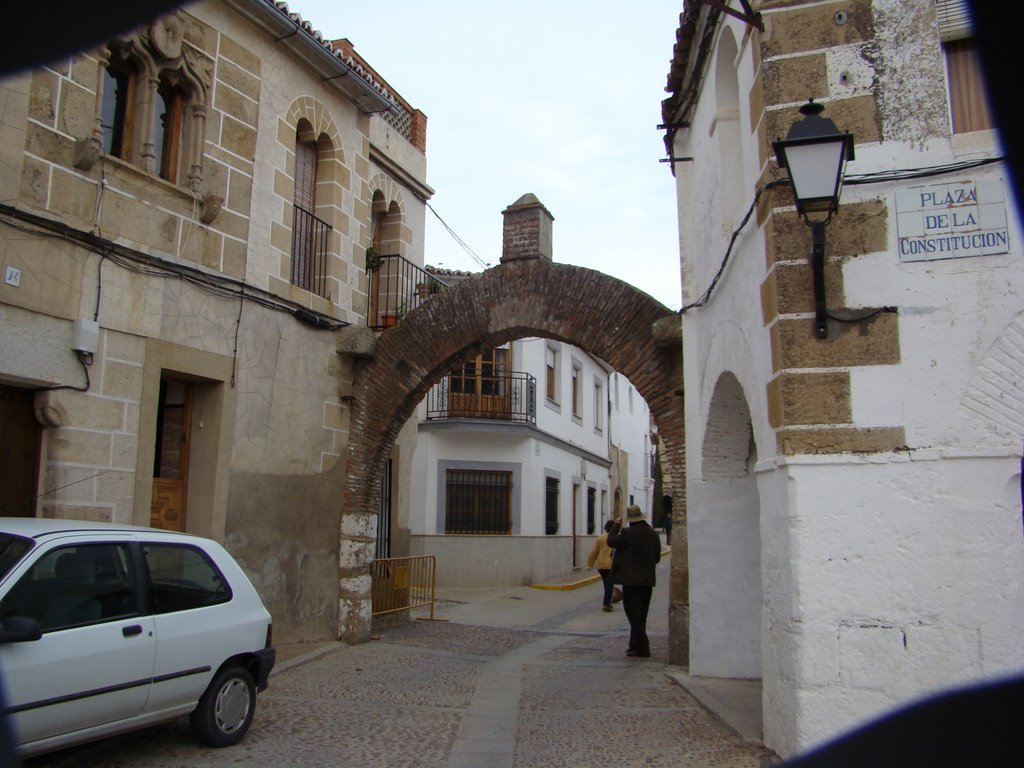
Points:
(401, 583)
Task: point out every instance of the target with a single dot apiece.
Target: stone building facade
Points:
(186, 212)
(854, 501)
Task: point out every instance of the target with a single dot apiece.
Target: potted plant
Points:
(373, 259)
(395, 316)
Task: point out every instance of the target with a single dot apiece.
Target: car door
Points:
(94, 661)
(195, 631)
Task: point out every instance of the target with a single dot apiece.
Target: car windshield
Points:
(12, 549)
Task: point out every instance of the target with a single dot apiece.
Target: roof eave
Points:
(320, 55)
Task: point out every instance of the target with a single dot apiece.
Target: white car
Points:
(106, 628)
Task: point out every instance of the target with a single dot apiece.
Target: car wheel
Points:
(225, 710)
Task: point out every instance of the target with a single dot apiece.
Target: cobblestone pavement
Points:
(456, 695)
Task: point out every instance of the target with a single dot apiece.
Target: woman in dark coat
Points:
(637, 552)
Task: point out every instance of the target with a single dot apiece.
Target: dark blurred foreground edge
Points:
(977, 727)
(35, 33)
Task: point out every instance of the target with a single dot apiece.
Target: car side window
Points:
(183, 577)
(74, 586)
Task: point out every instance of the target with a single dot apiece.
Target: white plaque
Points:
(952, 221)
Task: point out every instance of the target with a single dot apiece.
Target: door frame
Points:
(214, 401)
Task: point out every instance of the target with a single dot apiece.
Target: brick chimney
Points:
(527, 230)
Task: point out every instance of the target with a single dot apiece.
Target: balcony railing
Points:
(503, 397)
(311, 239)
(397, 286)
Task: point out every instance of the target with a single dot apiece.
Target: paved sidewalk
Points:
(515, 678)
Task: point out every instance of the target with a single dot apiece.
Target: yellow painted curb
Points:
(570, 585)
(665, 550)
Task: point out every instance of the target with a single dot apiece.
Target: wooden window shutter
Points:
(304, 202)
(954, 19)
(305, 175)
(968, 100)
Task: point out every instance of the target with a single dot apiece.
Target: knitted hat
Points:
(634, 514)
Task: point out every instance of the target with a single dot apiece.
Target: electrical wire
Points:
(917, 173)
(153, 266)
(877, 177)
(85, 358)
(238, 328)
(861, 317)
(462, 243)
(706, 296)
(38, 496)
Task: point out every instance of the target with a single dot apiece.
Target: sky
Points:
(561, 98)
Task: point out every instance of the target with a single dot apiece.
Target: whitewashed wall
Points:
(883, 577)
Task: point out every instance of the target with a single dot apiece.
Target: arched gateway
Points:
(527, 295)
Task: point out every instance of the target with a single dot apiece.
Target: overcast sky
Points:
(560, 98)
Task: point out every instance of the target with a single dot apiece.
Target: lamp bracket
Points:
(818, 277)
(747, 14)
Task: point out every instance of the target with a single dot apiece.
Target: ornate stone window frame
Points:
(160, 58)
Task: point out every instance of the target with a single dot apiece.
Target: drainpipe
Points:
(330, 66)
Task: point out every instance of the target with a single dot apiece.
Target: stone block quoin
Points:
(794, 51)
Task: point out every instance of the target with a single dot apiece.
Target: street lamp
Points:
(815, 154)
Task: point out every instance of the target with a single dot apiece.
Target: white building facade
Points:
(633, 447)
(513, 474)
(853, 501)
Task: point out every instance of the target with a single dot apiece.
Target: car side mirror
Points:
(19, 629)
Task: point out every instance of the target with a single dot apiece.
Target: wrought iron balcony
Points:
(508, 396)
(311, 238)
(396, 286)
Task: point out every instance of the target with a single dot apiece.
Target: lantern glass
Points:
(816, 172)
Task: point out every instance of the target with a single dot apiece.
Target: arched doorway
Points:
(628, 329)
(724, 527)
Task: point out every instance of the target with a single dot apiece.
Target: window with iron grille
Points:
(478, 501)
(591, 505)
(550, 506)
(577, 391)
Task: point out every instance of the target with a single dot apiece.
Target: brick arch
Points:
(727, 593)
(588, 309)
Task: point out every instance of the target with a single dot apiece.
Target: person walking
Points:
(637, 551)
(601, 555)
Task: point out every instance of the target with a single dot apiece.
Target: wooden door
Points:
(19, 452)
(170, 466)
(480, 389)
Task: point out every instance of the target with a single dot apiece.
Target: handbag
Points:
(616, 595)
